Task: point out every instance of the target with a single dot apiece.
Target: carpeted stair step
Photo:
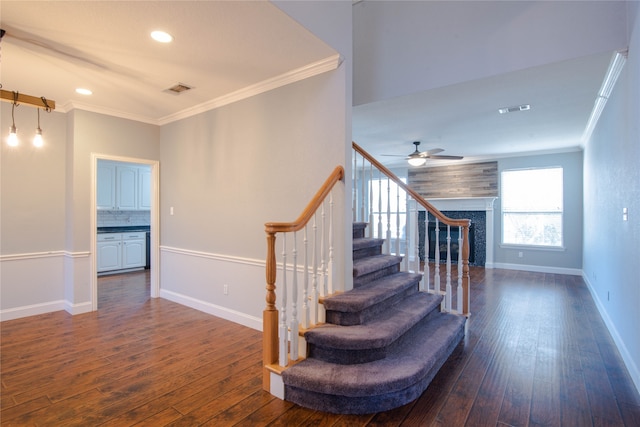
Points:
(372, 340)
(367, 301)
(368, 269)
(358, 229)
(380, 385)
(365, 247)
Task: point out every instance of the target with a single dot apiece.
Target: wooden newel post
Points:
(465, 270)
(270, 314)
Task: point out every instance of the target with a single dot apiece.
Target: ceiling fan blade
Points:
(432, 151)
(445, 157)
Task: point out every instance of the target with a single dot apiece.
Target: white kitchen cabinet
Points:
(109, 247)
(123, 186)
(127, 187)
(133, 250)
(106, 189)
(144, 191)
(120, 251)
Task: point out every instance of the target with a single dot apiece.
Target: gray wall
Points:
(612, 182)
(568, 260)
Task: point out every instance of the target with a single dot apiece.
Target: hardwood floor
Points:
(536, 353)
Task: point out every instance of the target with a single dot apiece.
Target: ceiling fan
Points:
(419, 158)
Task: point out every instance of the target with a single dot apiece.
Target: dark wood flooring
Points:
(536, 353)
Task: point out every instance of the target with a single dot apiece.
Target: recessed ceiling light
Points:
(83, 91)
(161, 36)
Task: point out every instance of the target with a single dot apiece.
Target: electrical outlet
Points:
(226, 289)
(520, 254)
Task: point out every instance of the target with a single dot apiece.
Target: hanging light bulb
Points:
(37, 139)
(13, 132)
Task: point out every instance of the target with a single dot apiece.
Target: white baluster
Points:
(354, 184)
(364, 193)
(282, 333)
(314, 282)
(331, 269)
(370, 226)
(448, 292)
(322, 289)
(436, 261)
(426, 271)
(407, 234)
(397, 249)
(387, 242)
(379, 206)
(305, 290)
(294, 301)
(459, 291)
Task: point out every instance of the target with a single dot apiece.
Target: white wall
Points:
(612, 182)
(403, 47)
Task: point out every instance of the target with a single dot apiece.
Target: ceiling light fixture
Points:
(13, 132)
(37, 139)
(16, 98)
(416, 158)
(83, 91)
(161, 36)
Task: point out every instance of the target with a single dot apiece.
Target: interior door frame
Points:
(154, 223)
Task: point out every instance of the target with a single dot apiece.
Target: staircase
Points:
(382, 343)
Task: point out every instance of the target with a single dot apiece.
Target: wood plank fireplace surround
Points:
(460, 191)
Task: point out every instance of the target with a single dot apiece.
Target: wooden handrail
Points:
(280, 227)
(417, 197)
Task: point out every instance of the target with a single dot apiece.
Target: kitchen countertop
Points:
(123, 229)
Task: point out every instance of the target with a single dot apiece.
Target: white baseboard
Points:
(634, 370)
(216, 310)
(74, 309)
(31, 310)
(537, 268)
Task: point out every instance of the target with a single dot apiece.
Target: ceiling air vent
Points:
(178, 88)
(506, 110)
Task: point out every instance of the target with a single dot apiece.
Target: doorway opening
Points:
(124, 224)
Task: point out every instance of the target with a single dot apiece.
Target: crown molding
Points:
(328, 64)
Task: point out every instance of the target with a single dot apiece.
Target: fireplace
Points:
(442, 242)
(477, 237)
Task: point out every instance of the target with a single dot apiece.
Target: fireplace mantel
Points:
(472, 204)
(464, 204)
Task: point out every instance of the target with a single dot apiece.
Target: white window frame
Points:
(506, 210)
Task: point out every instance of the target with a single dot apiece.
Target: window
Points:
(532, 203)
(391, 201)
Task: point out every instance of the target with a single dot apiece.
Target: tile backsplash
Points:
(108, 218)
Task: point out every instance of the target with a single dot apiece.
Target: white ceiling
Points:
(223, 48)
(220, 48)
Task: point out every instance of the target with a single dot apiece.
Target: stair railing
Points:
(282, 344)
(392, 210)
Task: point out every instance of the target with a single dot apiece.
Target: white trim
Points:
(73, 309)
(538, 268)
(213, 309)
(217, 257)
(276, 385)
(49, 254)
(310, 70)
(154, 219)
(31, 310)
(634, 370)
